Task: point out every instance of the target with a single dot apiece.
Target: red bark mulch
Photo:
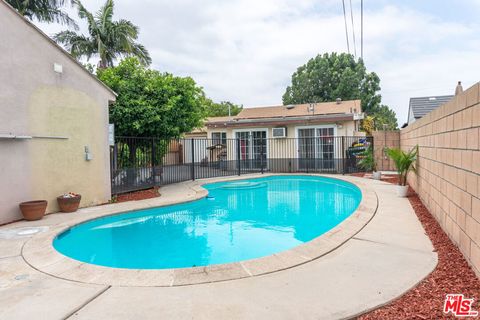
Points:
(138, 195)
(452, 275)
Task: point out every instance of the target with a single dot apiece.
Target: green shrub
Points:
(367, 161)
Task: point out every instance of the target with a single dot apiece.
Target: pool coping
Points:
(40, 254)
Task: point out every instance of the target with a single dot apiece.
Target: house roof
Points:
(323, 108)
(300, 113)
(219, 119)
(55, 45)
(198, 131)
(420, 106)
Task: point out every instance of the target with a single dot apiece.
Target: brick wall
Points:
(448, 175)
(382, 140)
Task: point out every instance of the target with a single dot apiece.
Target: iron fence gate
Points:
(141, 163)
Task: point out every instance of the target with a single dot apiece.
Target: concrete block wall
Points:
(448, 177)
(382, 140)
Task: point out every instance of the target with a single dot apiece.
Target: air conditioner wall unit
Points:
(279, 132)
(358, 116)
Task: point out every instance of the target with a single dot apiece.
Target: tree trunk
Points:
(102, 64)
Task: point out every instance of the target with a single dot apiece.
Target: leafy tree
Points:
(150, 103)
(107, 39)
(221, 109)
(44, 10)
(385, 118)
(330, 76)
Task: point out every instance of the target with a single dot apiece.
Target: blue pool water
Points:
(239, 220)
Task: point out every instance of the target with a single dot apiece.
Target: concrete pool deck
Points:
(382, 261)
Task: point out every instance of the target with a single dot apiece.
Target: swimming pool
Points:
(239, 220)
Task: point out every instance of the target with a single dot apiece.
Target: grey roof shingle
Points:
(422, 105)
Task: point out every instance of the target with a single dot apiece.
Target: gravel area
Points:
(452, 275)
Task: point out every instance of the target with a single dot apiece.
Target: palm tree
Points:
(43, 10)
(107, 39)
(404, 162)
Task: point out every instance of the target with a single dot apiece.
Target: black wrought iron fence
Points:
(140, 163)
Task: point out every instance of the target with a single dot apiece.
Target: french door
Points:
(253, 148)
(316, 148)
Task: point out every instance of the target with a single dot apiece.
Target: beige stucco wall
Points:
(38, 102)
(448, 177)
(347, 129)
(284, 148)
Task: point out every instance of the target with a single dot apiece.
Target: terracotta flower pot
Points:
(69, 204)
(33, 210)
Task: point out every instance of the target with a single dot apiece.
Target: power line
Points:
(346, 28)
(361, 29)
(353, 30)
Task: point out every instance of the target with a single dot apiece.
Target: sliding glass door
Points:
(316, 148)
(253, 148)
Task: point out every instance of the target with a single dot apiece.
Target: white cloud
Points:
(246, 50)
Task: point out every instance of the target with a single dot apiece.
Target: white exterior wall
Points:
(287, 147)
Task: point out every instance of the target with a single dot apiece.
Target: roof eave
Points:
(281, 121)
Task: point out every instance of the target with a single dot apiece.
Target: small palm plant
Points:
(404, 162)
(367, 162)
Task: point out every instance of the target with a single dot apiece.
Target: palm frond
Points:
(125, 33)
(141, 53)
(83, 13)
(78, 45)
(108, 39)
(44, 11)
(105, 14)
(404, 162)
(61, 17)
(126, 28)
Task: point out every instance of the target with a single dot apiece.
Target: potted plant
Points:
(69, 202)
(368, 163)
(33, 210)
(404, 162)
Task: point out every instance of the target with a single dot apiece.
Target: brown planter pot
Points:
(33, 210)
(69, 204)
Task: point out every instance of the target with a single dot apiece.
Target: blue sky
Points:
(245, 51)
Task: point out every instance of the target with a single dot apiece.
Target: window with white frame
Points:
(219, 138)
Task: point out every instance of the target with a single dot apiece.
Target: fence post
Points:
(193, 159)
(153, 161)
(343, 154)
(238, 156)
(372, 143)
(261, 159)
(307, 160)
